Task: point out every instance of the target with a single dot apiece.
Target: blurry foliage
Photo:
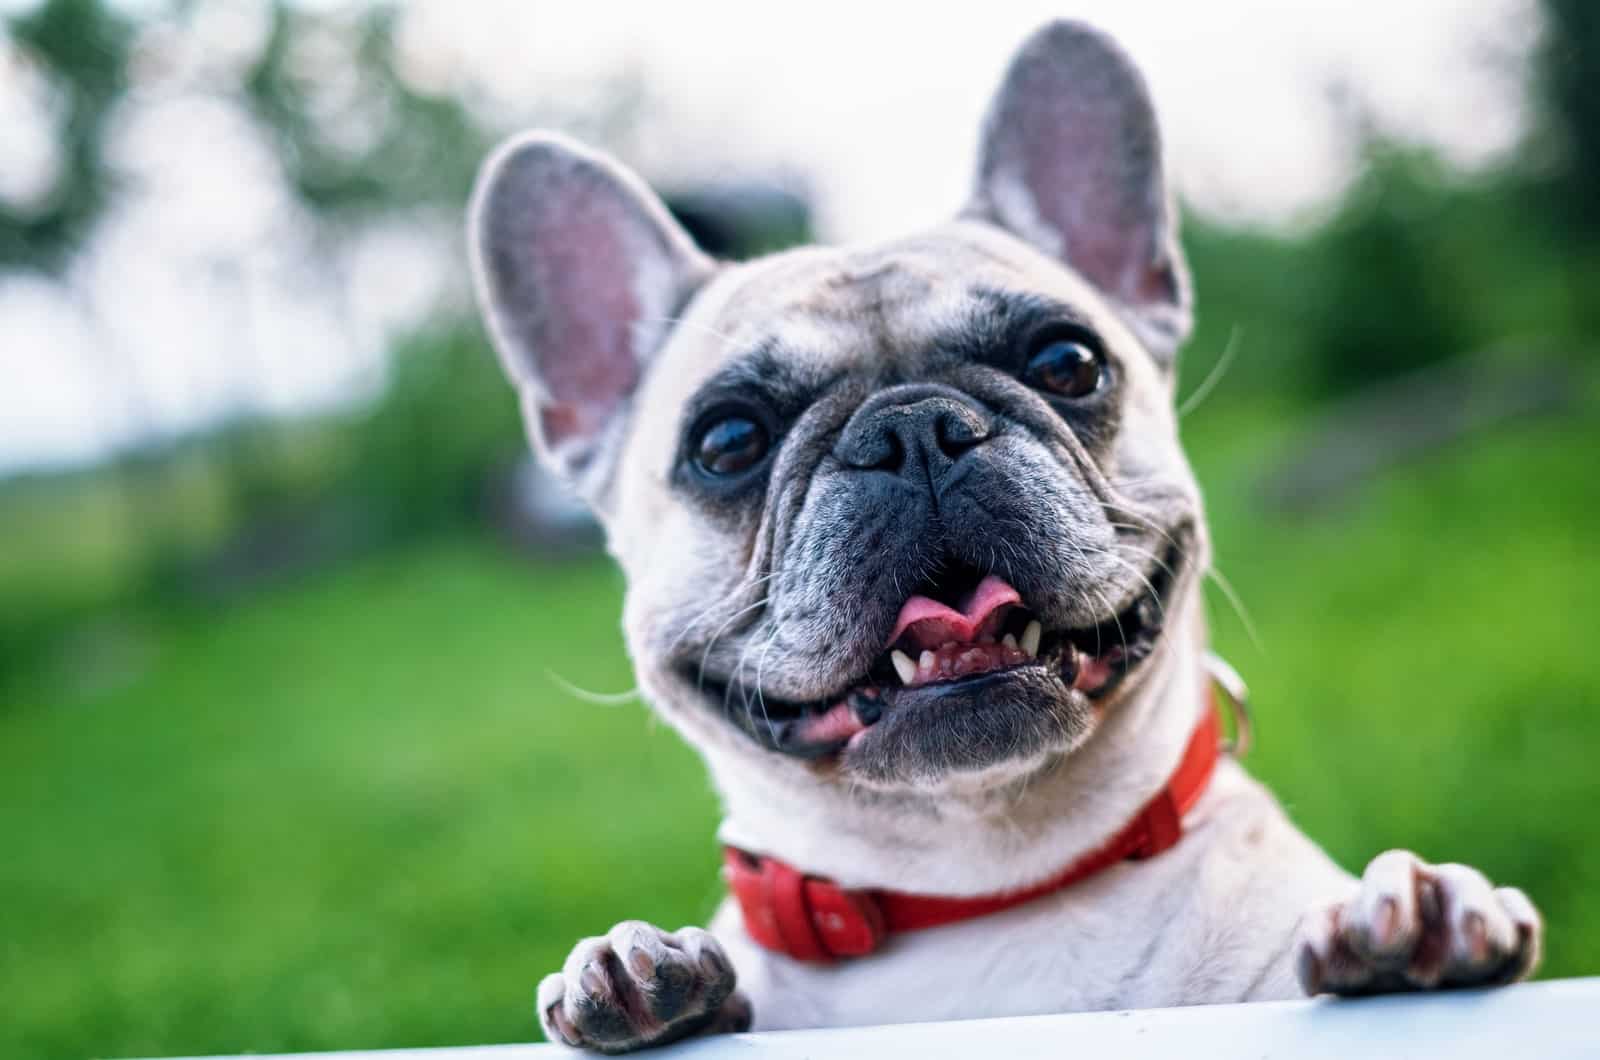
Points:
(166, 515)
(259, 498)
(425, 150)
(1567, 87)
(423, 455)
(1388, 296)
(355, 144)
(1417, 265)
(82, 48)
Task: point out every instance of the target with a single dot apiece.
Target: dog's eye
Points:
(1067, 367)
(731, 445)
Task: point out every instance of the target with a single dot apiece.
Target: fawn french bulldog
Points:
(912, 550)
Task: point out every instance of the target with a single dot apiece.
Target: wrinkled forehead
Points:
(815, 313)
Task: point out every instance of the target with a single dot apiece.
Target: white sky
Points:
(874, 105)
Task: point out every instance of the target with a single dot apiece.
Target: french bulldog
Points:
(912, 550)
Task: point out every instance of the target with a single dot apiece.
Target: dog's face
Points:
(907, 515)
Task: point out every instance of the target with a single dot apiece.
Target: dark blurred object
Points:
(745, 220)
(1567, 84)
(1566, 186)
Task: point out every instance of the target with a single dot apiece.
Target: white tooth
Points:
(903, 666)
(1009, 641)
(1030, 638)
(926, 660)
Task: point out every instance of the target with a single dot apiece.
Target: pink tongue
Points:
(839, 722)
(931, 623)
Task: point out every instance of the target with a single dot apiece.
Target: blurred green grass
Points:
(357, 811)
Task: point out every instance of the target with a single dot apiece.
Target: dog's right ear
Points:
(579, 271)
(1071, 162)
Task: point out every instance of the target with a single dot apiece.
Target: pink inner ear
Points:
(585, 341)
(1073, 163)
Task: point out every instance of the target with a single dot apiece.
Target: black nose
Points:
(913, 431)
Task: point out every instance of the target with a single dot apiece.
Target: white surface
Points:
(1550, 1021)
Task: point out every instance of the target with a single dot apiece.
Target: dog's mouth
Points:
(965, 631)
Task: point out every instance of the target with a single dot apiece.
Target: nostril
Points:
(873, 450)
(956, 434)
(888, 455)
(930, 432)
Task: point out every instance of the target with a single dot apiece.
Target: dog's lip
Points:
(1093, 661)
(849, 721)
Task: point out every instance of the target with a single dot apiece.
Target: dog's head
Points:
(896, 515)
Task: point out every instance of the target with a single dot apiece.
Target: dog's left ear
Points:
(1070, 162)
(579, 270)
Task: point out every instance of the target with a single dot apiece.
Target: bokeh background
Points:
(314, 730)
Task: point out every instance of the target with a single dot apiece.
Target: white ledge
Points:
(1547, 1020)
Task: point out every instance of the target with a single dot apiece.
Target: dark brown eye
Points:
(1065, 367)
(731, 445)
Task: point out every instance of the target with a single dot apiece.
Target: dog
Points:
(912, 553)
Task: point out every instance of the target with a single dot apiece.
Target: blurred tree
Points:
(359, 147)
(1566, 140)
(82, 50)
(1567, 82)
(415, 150)
(422, 457)
(1384, 296)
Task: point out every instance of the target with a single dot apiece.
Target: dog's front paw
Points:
(640, 986)
(1415, 926)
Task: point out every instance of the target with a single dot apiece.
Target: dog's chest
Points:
(1198, 924)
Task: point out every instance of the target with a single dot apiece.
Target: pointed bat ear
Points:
(579, 271)
(1070, 162)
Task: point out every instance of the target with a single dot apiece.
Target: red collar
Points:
(814, 919)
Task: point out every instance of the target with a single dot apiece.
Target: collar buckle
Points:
(1231, 689)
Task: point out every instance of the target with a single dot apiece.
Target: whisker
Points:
(707, 613)
(1151, 556)
(738, 681)
(1150, 527)
(1137, 573)
(605, 698)
(1105, 604)
(1146, 523)
(1016, 553)
(761, 663)
(1213, 377)
(726, 338)
(1140, 481)
(1238, 607)
(1108, 606)
(705, 656)
(1099, 646)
